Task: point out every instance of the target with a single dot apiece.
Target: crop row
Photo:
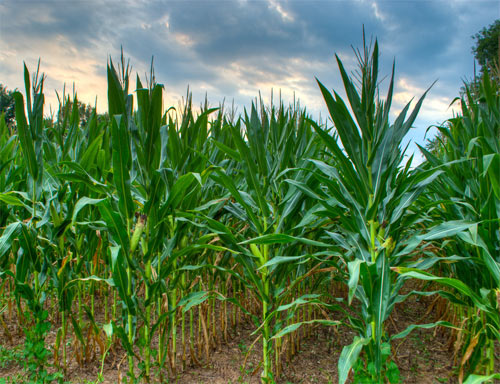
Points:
(161, 230)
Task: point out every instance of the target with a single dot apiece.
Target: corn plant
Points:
(368, 191)
(178, 224)
(33, 252)
(468, 192)
(184, 171)
(267, 247)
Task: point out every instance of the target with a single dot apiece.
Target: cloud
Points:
(282, 11)
(233, 49)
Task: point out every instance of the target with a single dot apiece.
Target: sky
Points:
(232, 49)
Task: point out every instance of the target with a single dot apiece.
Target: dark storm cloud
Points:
(80, 21)
(251, 34)
(432, 39)
(231, 48)
(225, 30)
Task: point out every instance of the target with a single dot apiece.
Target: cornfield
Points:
(158, 232)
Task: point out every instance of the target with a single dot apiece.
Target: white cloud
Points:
(376, 11)
(285, 14)
(183, 39)
(165, 21)
(435, 108)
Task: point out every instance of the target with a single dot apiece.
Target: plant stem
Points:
(266, 344)
(148, 322)
(130, 323)
(63, 324)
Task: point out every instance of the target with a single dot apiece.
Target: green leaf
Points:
(9, 198)
(447, 229)
(227, 150)
(108, 329)
(73, 282)
(349, 356)
(80, 204)
(393, 374)
(191, 300)
(180, 188)
(25, 291)
(27, 242)
(302, 300)
(10, 234)
(478, 379)
(118, 330)
(251, 174)
(280, 238)
(25, 136)
(293, 327)
(115, 224)
(121, 165)
(353, 267)
(80, 175)
(89, 156)
(491, 164)
(6, 273)
(282, 259)
(410, 328)
(116, 94)
(382, 295)
(154, 114)
(492, 265)
(228, 183)
(119, 273)
(77, 329)
(449, 282)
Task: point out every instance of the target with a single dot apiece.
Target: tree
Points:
(486, 52)
(7, 104)
(486, 48)
(85, 111)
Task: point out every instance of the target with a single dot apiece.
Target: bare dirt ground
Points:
(424, 357)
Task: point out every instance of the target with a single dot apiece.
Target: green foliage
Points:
(7, 104)
(9, 356)
(35, 353)
(486, 51)
(369, 193)
(168, 214)
(365, 371)
(468, 190)
(486, 44)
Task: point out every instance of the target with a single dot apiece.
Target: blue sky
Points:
(232, 49)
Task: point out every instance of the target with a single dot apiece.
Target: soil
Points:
(423, 357)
